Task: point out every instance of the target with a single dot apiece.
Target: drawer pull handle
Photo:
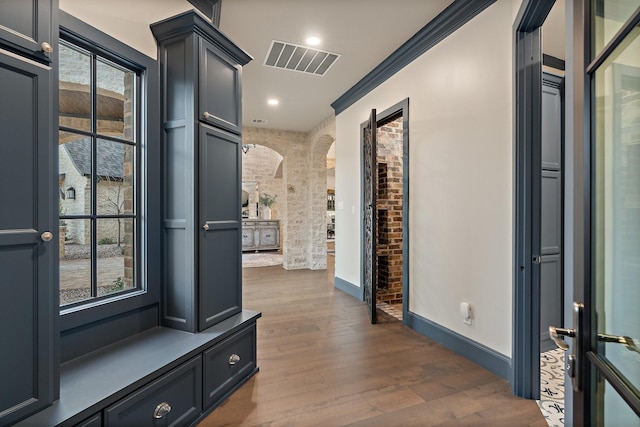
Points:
(161, 410)
(46, 47)
(233, 359)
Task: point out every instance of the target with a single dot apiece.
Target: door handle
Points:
(555, 333)
(630, 343)
(575, 359)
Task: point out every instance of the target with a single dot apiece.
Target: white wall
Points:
(460, 110)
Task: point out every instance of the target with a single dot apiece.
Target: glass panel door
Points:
(615, 272)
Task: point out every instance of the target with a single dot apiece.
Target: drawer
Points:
(180, 390)
(270, 224)
(95, 421)
(228, 363)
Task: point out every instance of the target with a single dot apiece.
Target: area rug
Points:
(551, 401)
(260, 259)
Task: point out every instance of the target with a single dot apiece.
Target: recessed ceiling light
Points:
(273, 101)
(313, 41)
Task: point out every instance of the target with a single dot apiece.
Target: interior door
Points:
(369, 214)
(608, 346)
(551, 211)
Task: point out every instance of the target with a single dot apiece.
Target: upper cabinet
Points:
(220, 90)
(198, 57)
(26, 28)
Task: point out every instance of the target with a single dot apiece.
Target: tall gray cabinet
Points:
(200, 74)
(28, 229)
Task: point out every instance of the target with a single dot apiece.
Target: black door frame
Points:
(396, 110)
(369, 214)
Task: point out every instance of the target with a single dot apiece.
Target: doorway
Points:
(385, 216)
(538, 201)
(551, 360)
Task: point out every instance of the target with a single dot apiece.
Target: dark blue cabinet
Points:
(200, 73)
(28, 227)
(26, 27)
(220, 97)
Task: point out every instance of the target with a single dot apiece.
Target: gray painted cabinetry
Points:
(28, 229)
(171, 375)
(201, 73)
(26, 27)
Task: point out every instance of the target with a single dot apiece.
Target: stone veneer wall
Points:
(302, 205)
(389, 204)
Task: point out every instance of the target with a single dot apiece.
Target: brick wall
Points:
(389, 204)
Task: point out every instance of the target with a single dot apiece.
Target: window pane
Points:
(115, 255)
(116, 91)
(617, 207)
(75, 88)
(74, 177)
(115, 178)
(616, 411)
(609, 17)
(75, 260)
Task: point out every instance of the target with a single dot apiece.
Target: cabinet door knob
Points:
(161, 410)
(206, 115)
(205, 227)
(233, 359)
(46, 236)
(46, 47)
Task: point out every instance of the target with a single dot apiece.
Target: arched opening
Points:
(263, 199)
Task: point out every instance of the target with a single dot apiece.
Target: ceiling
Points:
(363, 32)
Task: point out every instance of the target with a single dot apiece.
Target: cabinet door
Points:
(26, 25)
(28, 283)
(220, 89)
(220, 231)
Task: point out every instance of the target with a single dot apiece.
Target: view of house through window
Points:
(97, 170)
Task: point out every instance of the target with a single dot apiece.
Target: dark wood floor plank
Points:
(322, 363)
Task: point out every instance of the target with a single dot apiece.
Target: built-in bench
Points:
(160, 373)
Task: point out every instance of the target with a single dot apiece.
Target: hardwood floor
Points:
(322, 363)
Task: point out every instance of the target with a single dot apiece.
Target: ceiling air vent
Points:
(288, 56)
(258, 121)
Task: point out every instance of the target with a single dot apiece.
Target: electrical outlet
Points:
(466, 313)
